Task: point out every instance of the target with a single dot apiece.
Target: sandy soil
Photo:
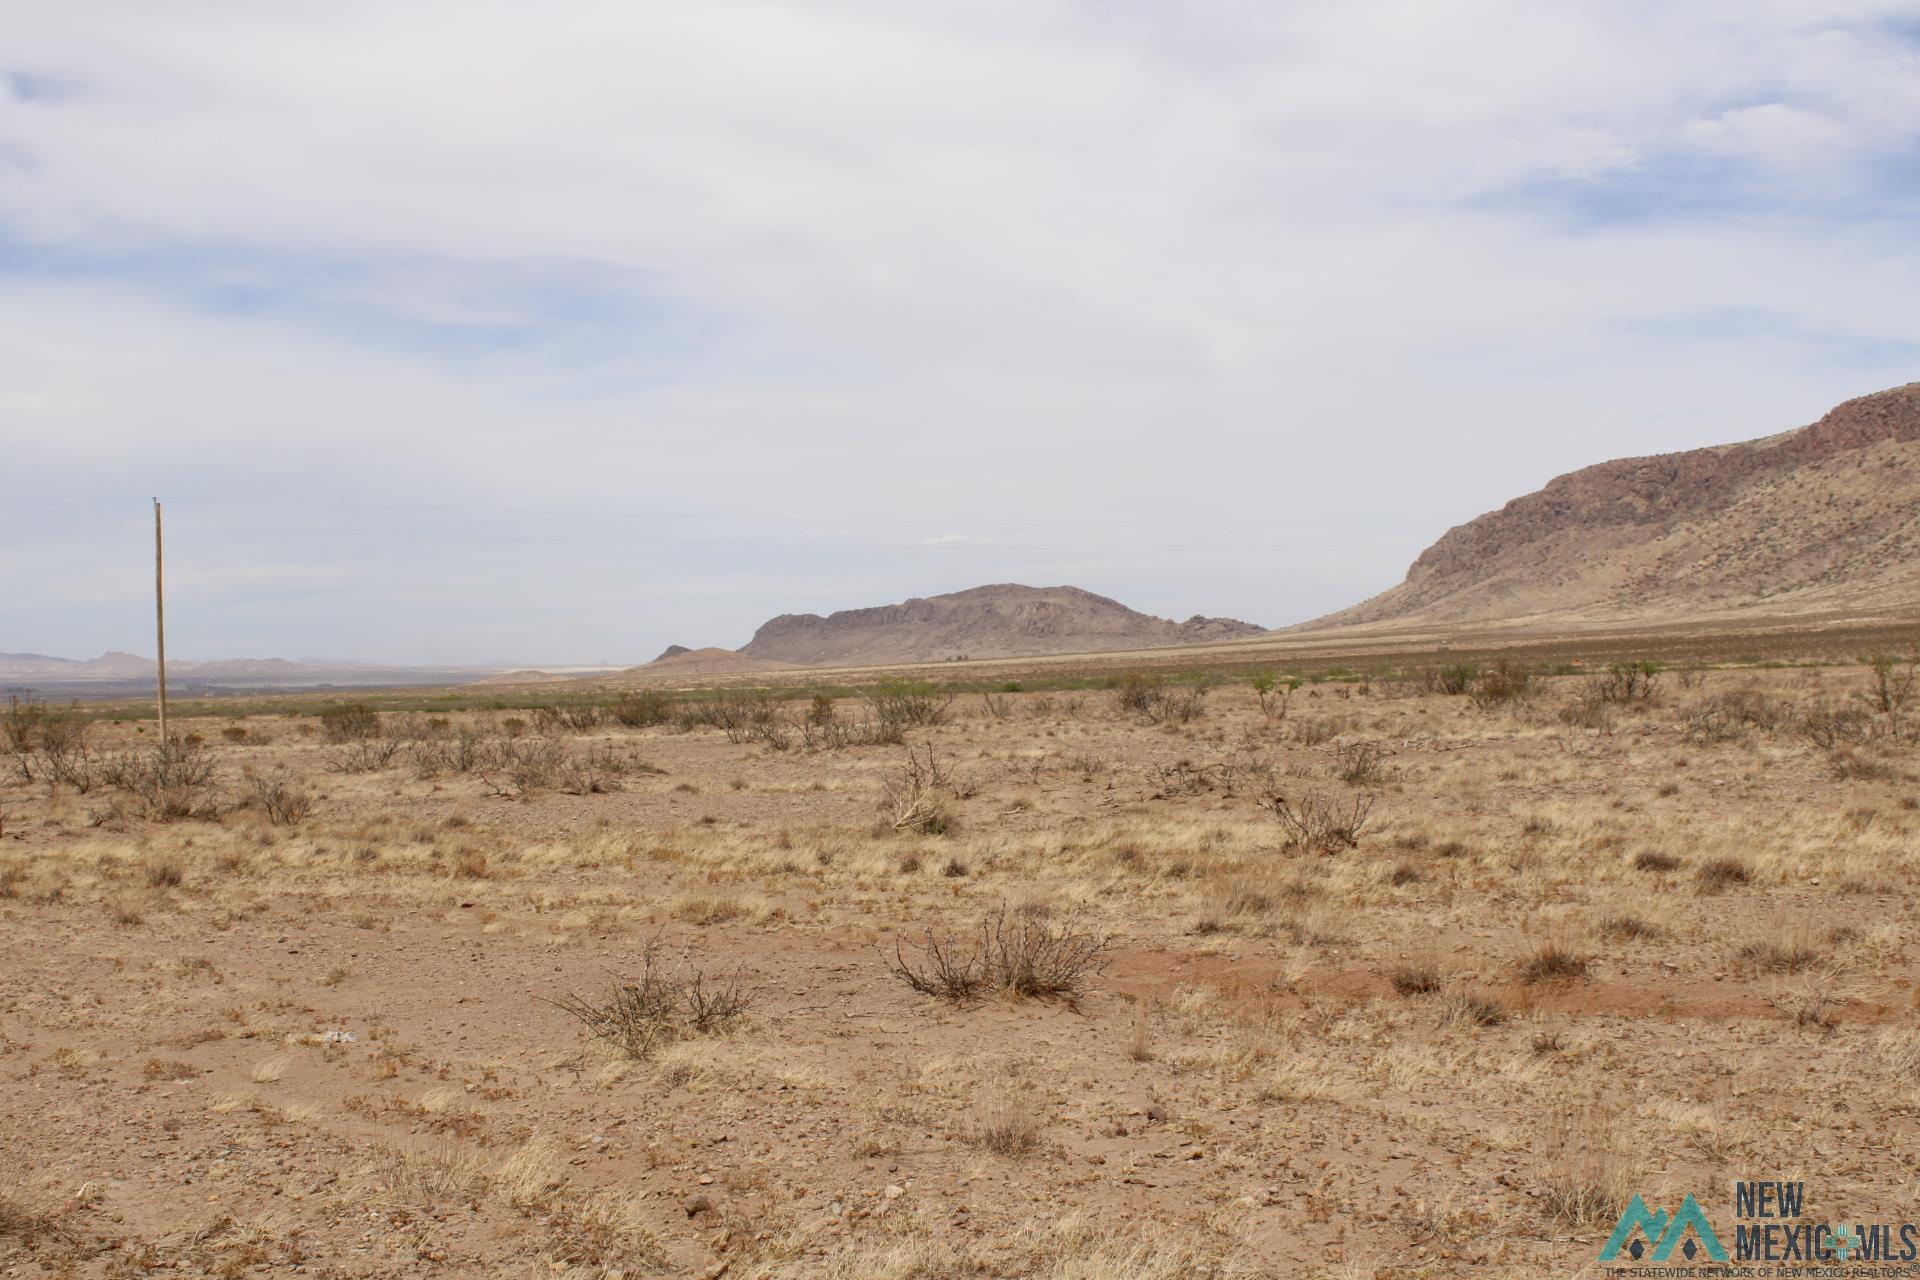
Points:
(1657, 951)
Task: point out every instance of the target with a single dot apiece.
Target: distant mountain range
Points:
(113, 669)
(1823, 518)
(999, 621)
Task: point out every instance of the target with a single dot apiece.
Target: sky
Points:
(467, 331)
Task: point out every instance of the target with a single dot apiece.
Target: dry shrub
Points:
(521, 766)
(281, 796)
(175, 779)
(1629, 928)
(1648, 860)
(1583, 1180)
(1153, 701)
(1140, 1033)
(34, 1219)
(1360, 764)
(1415, 978)
(670, 998)
(349, 722)
(573, 717)
(1502, 685)
(1021, 956)
(1718, 874)
(706, 909)
(1627, 682)
(1319, 821)
(1782, 950)
(165, 872)
(1006, 1125)
(1471, 1010)
(640, 708)
(1553, 962)
(911, 799)
(595, 771)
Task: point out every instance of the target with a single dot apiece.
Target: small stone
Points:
(894, 1191)
(706, 1179)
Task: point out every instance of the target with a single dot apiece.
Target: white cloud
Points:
(1311, 265)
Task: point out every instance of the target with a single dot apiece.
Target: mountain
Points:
(999, 621)
(679, 660)
(122, 672)
(1825, 517)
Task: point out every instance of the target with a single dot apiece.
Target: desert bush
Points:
(1590, 709)
(1552, 962)
(1275, 694)
(996, 705)
(1470, 1010)
(1311, 731)
(1320, 822)
(465, 750)
(1627, 682)
(363, 755)
(1502, 684)
(1582, 1181)
(1245, 768)
(906, 704)
(63, 757)
(1360, 763)
(1452, 678)
(1849, 764)
(1831, 727)
(1152, 700)
(640, 708)
(834, 734)
(1020, 955)
(521, 766)
(168, 781)
(1629, 928)
(349, 722)
(669, 998)
(281, 795)
(744, 715)
(1893, 685)
(48, 745)
(1006, 1125)
(910, 796)
(1717, 874)
(571, 717)
(1415, 979)
(20, 733)
(598, 770)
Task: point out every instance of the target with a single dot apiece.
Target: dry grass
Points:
(1372, 1024)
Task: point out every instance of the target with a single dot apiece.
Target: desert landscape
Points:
(1010, 932)
(1416, 971)
(1045, 640)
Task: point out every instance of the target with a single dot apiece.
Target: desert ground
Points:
(1417, 974)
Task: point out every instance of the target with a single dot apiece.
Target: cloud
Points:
(617, 285)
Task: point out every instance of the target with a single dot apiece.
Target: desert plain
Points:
(1422, 971)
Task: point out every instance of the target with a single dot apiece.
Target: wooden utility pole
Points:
(160, 619)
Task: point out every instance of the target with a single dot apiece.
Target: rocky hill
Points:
(1825, 517)
(985, 622)
(679, 660)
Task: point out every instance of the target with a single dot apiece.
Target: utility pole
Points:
(160, 619)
